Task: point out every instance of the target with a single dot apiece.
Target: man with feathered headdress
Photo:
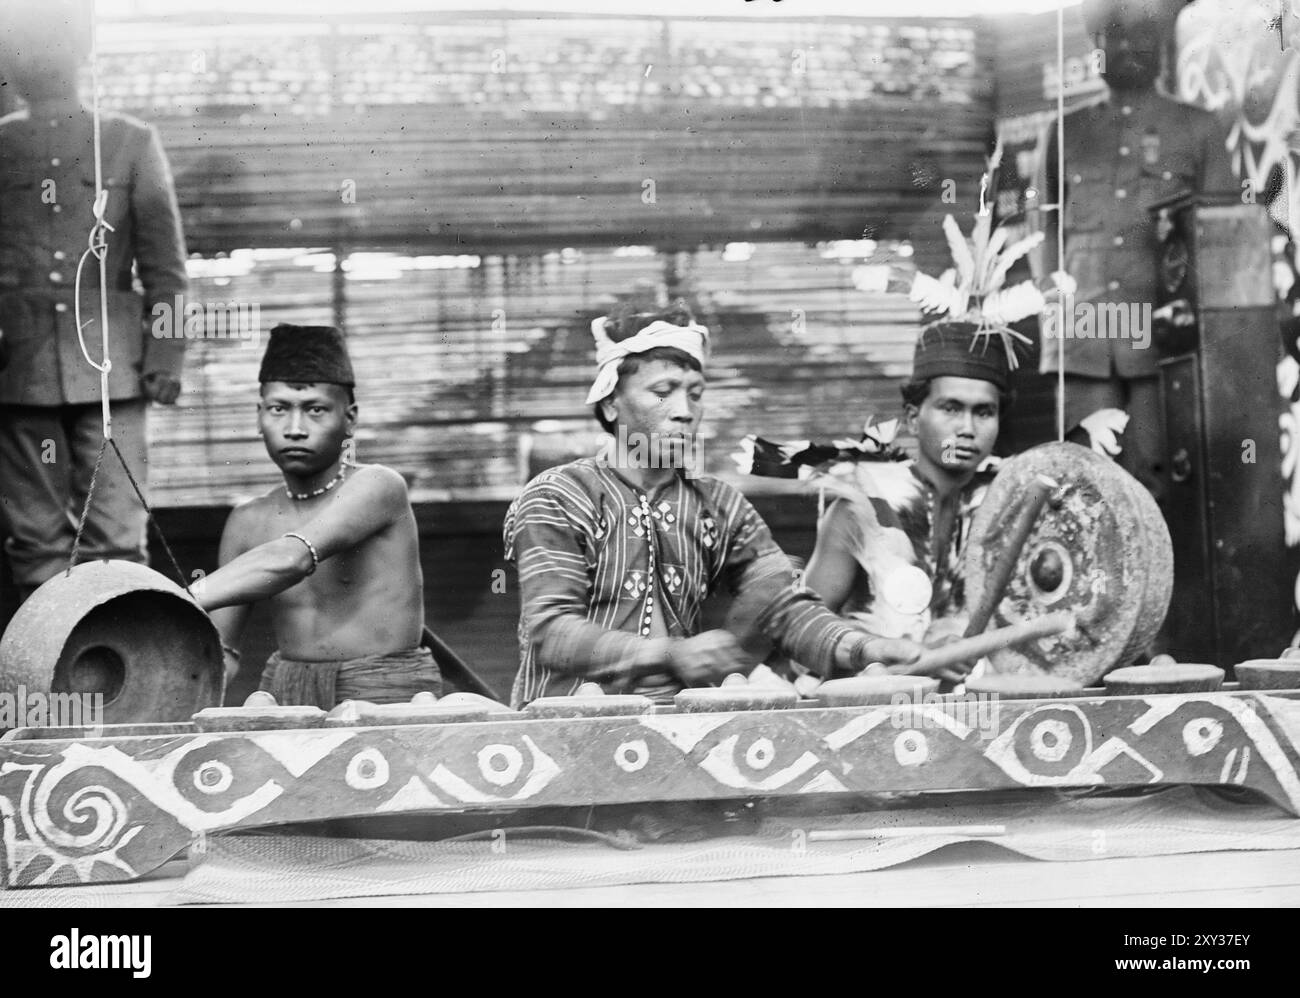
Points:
(890, 546)
(616, 554)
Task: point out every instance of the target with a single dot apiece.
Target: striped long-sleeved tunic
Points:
(598, 557)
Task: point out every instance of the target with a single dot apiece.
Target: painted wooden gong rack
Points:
(87, 806)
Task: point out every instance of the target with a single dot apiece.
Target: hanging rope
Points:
(85, 510)
(149, 513)
(1060, 212)
(97, 246)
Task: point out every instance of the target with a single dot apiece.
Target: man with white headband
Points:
(616, 554)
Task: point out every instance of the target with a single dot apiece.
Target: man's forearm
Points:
(571, 646)
(258, 574)
(809, 633)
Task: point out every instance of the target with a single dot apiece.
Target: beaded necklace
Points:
(343, 470)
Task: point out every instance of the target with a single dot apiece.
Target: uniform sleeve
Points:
(548, 531)
(159, 249)
(768, 602)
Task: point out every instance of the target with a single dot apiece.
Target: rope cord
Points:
(1060, 212)
(149, 513)
(85, 509)
(97, 246)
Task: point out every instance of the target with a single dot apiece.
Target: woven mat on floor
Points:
(283, 868)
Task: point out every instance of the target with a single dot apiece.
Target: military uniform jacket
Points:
(47, 191)
(1121, 157)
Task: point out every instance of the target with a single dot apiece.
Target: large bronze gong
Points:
(120, 630)
(1099, 549)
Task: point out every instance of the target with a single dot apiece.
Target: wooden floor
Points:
(968, 875)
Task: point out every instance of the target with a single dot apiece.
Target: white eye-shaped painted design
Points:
(911, 748)
(1049, 746)
(724, 762)
(1050, 740)
(500, 765)
(214, 777)
(1202, 735)
(518, 773)
(631, 757)
(367, 770)
(760, 754)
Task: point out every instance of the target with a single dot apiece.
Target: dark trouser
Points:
(1143, 440)
(47, 454)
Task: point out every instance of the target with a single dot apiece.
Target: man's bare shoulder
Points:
(253, 511)
(377, 479)
(247, 525)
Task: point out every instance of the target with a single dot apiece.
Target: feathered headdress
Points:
(803, 458)
(971, 292)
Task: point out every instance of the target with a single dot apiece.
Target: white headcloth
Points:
(692, 339)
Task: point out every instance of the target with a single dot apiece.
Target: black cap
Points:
(952, 349)
(306, 355)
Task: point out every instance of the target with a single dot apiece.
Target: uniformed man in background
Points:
(50, 422)
(1136, 148)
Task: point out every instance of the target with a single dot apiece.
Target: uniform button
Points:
(1167, 175)
(55, 276)
(1120, 193)
(1123, 150)
(1077, 178)
(55, 161)
(58, 208)
(60, 255)
(645, 632)
(1126, 110)
(60, 307)
(1119, 240)
(1113, 285)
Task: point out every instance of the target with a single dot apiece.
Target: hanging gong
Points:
(121, 631)
(1099, 549)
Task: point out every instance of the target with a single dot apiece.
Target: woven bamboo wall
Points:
(465, 373)
(477, 187)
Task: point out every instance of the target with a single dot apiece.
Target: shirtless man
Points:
(335, 549)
